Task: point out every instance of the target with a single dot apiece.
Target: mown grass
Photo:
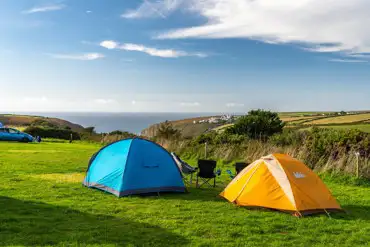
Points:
(43, 203)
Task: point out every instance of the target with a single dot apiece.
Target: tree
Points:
(124, 134)
(89, 130)
(258, 124)
(167, 131)
(43, 123)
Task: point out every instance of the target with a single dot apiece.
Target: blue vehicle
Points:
(9, 134)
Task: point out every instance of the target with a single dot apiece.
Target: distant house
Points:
(213, 120)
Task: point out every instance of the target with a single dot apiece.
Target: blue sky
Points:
(184, 55)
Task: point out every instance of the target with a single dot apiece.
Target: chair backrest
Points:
(239, 166)
(184, 167)
(207, 168)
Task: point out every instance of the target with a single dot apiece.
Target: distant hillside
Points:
(349, 120)
(187, 127)
(24, 121)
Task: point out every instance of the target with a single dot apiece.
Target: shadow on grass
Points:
(193, 194)
(353, 212)
(31, 223)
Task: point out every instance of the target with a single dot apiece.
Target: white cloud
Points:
(133, 102)
(44, 8)
(109, 44)
(82, 57)
(104, 101)
(165, 53)
(35, 99)
(190, 104)
(234, 105)
(168, 53)
(348, 61)
(153, 9)
(88, 11)
(363, 56)
(320, 26)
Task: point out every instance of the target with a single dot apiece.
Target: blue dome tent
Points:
(134, 166)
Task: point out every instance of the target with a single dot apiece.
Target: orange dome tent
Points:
(280, 182)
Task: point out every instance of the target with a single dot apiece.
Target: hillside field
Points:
(359, 121)
(43, 203)
(341, 119)
(20, 122)
(361, 127)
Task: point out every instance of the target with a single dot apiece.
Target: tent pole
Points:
(327, 213)
(205, 150)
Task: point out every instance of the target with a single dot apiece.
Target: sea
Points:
(107, 122)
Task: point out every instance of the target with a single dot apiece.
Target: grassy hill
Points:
(186, 126)
(43, 203)
(22, 121)
(356, 120)
(359, 121)
(363, 117)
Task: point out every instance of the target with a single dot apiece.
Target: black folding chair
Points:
(239, 166)
(206, 172)
(186, 169)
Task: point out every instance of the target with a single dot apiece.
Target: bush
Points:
(89, 130)
(124, 134)
(52, 133)
(205, 138)
(289, 137)
(167, 132)
(229, 139)
(43, 123)
(258, 124)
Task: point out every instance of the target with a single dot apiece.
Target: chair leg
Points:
(205, 181)
(196, 185)
(214, 183)
(191, 178)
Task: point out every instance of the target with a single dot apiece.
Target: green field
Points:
(342, 119)
(43, 203)
(361, 127)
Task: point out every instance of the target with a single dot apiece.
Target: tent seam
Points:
(295, 203)
(245, 185)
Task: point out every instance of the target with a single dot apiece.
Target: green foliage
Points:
(43, 123)
(167, 131)
(289, 137)
(89, 130)
(123, 134)
(225, 138)
(258, 124)
(52, 133)
(205, 138)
